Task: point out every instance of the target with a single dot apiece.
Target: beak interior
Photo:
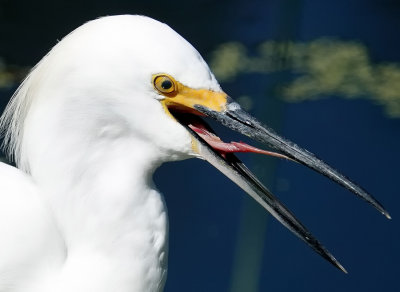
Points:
(235, 170)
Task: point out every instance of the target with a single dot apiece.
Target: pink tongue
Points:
(217, 144)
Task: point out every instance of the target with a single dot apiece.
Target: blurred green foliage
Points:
(320, 68)
(11, 75)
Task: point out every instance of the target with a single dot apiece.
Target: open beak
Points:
(188, 105)
(238, 120)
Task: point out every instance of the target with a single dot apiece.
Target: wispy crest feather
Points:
(12, 121)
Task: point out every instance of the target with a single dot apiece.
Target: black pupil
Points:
(166, 84)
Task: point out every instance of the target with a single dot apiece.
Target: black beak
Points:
(238, 120)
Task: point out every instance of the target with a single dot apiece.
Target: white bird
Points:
(101, 111)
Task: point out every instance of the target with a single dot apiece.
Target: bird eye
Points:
(164, 84)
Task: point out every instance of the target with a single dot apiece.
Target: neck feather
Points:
(112, 218)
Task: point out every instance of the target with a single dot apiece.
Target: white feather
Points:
(87, 130)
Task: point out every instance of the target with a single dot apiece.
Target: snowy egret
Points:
(87, 128)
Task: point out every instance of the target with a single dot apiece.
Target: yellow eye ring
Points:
(164, 84)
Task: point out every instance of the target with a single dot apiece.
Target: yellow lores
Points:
(181, 97)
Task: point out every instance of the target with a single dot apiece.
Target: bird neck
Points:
(112, 218)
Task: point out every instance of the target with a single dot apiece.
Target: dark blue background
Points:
(220, 240)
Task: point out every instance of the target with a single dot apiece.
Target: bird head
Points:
(131, 76)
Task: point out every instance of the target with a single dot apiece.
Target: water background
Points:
(220, 240)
